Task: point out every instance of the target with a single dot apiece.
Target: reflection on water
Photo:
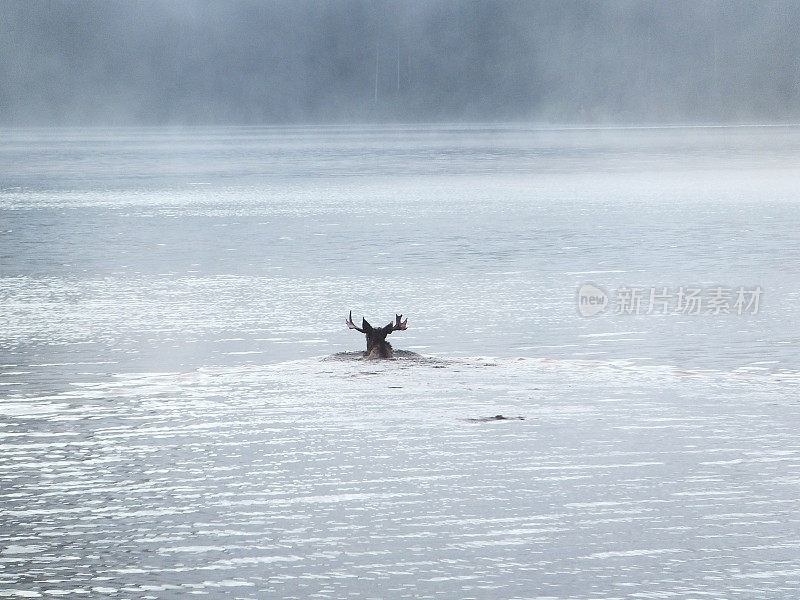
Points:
(139, 266)
(321, 478)
(167, 426)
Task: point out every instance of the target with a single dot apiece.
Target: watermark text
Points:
(685, 300)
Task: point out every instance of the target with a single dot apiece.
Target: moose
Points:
(377, 346)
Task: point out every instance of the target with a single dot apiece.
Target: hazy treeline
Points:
(197, 62)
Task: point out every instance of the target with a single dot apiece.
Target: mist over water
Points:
(250, 62)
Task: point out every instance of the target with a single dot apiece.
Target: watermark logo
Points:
(591, 300)
(685, 300)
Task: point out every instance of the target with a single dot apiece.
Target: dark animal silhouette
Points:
(377, 346)
(494, 418)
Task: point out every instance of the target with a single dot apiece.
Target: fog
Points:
(102, 62)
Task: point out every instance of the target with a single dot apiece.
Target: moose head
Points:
(377, 346)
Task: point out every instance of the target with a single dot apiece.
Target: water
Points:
(180, 416)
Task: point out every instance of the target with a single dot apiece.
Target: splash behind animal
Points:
(377, 346)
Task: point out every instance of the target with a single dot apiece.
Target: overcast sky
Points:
(295, 61)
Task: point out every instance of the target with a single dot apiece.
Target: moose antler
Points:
(352, 325)
(399, 325)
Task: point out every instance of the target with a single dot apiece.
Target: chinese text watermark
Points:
(686, 300)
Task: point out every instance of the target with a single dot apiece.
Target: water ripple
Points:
(292, 479)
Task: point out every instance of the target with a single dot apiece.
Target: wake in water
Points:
(401, 356)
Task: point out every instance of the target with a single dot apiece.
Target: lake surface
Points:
(182, 410)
